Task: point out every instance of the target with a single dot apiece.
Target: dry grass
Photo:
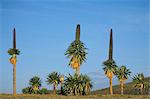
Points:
(24, 96)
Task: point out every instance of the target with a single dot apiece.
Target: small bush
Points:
(44, 91)
(27, 90)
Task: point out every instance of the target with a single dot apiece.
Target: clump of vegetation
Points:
(77, 85)
(34, 88)
(72, 85)
(44, 91)
(35, 84)
(27, 90)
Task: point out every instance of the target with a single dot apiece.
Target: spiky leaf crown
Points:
(12, 51)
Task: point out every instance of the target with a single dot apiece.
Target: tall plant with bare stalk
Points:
(76, 52)
(13, 60)
(110, 65)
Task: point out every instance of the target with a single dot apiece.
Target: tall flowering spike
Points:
(14, 38)
(78, 32)
(111, 45)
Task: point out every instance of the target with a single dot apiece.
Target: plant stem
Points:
(141, 89)
(121, 87)
(111, 89)
(54, 88)
(14, 79)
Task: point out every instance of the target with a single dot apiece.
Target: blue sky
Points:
(45, 28)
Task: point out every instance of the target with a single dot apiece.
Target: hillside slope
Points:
(128, 89)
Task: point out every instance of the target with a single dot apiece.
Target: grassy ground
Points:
(22, 96)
